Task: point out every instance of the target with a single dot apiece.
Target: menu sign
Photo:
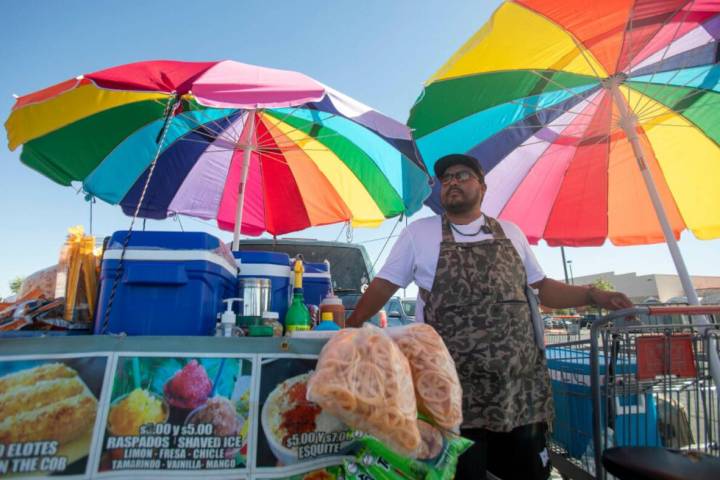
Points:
(178, 413)
(166, 415)
(48, 411)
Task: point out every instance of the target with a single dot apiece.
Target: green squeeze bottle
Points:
(298, 316)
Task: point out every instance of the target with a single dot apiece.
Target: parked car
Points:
(562, 322)
(396, 310)
(408, 305)
(393, 310)
(350, 268)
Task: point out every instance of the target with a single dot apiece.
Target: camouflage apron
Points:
(478, 305)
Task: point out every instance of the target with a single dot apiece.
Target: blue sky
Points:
(379, 52)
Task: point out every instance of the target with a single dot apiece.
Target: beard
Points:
(463, 203)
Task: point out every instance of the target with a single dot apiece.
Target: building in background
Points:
(660, 287)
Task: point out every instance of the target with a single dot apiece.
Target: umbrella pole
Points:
(628, 122)
(246, 164)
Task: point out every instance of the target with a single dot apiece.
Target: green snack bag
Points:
(443, 468)
(438, 457)
(375, 461)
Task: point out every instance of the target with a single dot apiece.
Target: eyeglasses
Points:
(462, 176)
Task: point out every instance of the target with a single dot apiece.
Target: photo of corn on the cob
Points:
(47, 402)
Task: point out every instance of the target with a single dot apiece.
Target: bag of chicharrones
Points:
(437, 387)
(363, 379)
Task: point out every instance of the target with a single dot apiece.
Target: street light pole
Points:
(572, 277)
(562, 252)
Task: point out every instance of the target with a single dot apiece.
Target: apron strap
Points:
(496, 228)
(447, 235)
(424, 295)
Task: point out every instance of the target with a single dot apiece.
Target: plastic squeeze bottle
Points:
(333, 304)
(298, 316)
(327, 323)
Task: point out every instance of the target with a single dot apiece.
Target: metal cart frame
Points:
(652, 381)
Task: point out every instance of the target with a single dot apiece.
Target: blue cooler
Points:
(570, 376)
(316, 282)
(172, 283)
(272, 265)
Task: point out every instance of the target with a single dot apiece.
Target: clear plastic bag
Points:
(39, 284)
(364, 380)
(437, 387)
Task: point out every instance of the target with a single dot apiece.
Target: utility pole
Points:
(562, 251)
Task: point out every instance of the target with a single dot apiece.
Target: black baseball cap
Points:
(458, 159)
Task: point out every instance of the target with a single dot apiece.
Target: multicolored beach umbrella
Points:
(164, 137)
(581, 111)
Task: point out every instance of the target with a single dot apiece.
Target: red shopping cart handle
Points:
(657, 463)
(685, 310)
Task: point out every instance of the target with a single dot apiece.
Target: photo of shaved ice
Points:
(188, 388)
(221, 414)
(185, 412)
(134, 410)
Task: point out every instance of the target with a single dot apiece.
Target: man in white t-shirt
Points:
(473, 274)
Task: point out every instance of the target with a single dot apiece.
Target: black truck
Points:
(350, 267)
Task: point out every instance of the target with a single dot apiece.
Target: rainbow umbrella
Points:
(269, 150)
(594, 120)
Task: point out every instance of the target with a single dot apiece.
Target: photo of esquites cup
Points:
(287, 415)
(47, 402)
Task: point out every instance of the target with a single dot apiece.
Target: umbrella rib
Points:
(233, 137)
(650, 124)
(680, 111)
(297, 129)
(241, 146)
(582, 52)
(662, 25)
(277, 121)
(268, 134)
(562, 87)
(629, 36)
(317, 137)
(213, 147)
(528, 105)
(655, 110)
(223, 132)
(694, 91)
(549, 125)
(692, 124)
(649, 107)
(197, 123)
(216, 133)
(637, 106)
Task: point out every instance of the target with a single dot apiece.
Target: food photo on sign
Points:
(178, 413)
(294, 430)
(48, 411)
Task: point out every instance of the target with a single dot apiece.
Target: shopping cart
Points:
(637, 381)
